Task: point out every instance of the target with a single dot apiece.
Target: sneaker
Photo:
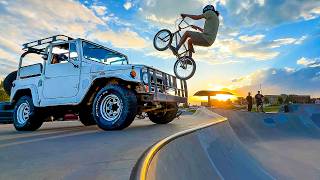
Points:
(187, 60)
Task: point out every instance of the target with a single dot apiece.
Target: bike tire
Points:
(156, 46)
(193, 66)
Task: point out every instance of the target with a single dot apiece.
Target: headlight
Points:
(145, 78)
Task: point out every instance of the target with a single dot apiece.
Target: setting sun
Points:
(223, 97)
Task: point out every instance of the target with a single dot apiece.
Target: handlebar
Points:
(183, 20)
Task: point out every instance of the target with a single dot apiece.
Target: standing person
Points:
(249, 101)
(259, 101)
(206, 36)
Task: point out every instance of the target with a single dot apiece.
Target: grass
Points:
(273, 108)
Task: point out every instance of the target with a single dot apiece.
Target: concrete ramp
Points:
(310, 111)
(246, 146)
(287, 145)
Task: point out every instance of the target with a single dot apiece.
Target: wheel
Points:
(7, 82)
(162, 40)
(166, 116)
(26, 117)
(185, 67)
(86, 117)
(114, 107)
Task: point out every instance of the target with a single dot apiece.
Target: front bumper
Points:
(161, 97)
(162, 87)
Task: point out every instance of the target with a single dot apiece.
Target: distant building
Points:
(279, 99)
(272, 99)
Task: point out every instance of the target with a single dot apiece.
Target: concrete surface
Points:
(286, 145)
(247, 146)
(68, 150)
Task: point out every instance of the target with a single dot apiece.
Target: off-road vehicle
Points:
(95, 82)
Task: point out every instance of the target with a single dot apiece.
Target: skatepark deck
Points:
(246, 146)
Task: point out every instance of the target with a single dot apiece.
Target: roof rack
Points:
(36, 45)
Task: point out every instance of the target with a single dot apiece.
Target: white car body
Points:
(68, 83)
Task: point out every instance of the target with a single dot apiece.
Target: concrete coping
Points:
(140, 170)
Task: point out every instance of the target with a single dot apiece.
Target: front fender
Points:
(34, 93)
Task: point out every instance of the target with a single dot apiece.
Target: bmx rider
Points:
(206, 36)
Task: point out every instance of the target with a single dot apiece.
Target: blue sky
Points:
(269, 42)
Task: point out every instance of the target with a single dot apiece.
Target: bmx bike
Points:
(185, 66)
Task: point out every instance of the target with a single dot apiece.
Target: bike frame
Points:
(177, 35)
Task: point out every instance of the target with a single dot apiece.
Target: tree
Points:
(3, 95)
(280, 100)
(266, 100)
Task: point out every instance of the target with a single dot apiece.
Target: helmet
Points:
(208, 8)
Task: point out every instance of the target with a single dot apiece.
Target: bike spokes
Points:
(162, 40)
(184, 68)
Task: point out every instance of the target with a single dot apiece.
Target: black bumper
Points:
(161, 97)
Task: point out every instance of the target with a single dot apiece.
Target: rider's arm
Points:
(194, 17)
(197, 28)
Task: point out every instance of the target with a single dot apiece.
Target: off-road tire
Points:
(35, 119)
(166, 116)
(7, 82)
(126, 103)
(86, 117)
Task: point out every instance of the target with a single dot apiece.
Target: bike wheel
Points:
(184, 68)
(162, 40)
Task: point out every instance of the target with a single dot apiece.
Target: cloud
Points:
(22, 22)
(167, 11)
(252, 39)
(100, 10)
(127, 5)
(311, 14)
(269, 13)
(301, 40)
(129, 39)
(282, 80)
(309, 62)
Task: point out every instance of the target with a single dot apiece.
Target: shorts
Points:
(200, 39)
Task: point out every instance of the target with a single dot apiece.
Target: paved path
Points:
(68, 150)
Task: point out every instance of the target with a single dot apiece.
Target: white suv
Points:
(93, 81)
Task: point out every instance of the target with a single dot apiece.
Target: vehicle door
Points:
(62, 71)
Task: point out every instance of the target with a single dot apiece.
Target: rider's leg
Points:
(190, 47)
(183, 39)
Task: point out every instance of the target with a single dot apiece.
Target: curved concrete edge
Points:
(140, 170)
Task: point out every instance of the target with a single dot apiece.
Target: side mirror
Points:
(45, 57)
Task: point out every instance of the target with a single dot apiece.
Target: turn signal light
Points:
(133, 73)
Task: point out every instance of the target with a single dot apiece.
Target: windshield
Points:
(102, 55)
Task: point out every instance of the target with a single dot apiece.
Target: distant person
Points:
(249, 101)
(259, 101)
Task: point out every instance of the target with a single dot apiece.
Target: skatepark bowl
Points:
(209, 144)
(241, 146)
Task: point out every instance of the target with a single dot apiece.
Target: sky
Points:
(272, 44)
